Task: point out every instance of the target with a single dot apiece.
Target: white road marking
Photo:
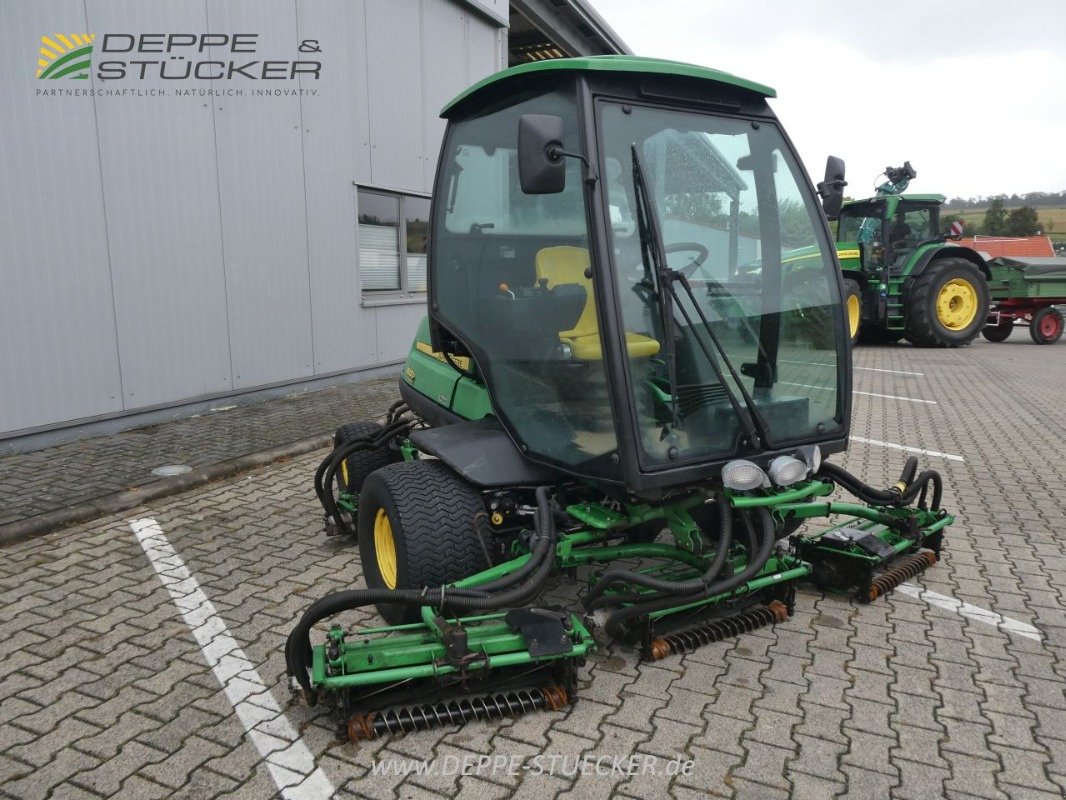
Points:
(898, 397)
(290, 762)
(949, 456)
(856, 391)
(892, 371)
(972, 612)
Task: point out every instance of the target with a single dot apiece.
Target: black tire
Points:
(434, 516)
(1000, 332)
(1046, 326)
(871, 335)
(924, 326)
(852, 290)
(358, 465)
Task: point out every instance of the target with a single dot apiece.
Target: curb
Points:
(43, 524)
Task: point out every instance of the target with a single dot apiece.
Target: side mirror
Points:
(541, 167)
(831, 189)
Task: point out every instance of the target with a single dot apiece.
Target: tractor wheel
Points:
(853, 306)
(1046, 326)
(948, 304)
(419, 525)
(1000, 332)
(871, 335)
(354, 469)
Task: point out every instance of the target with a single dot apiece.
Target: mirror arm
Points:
(554, 153)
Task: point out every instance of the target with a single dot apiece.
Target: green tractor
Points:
(902, 277)
(625, 374)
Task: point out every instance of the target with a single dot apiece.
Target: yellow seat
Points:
(563, 264)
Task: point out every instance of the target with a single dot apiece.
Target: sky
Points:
(972, 94)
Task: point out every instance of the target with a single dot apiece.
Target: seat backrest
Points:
(565, 264)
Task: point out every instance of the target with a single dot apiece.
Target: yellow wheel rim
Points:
(853, 315)
(956, 304)
(385, 548)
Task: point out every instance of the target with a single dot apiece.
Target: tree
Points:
(995, 223)
(1023, 222)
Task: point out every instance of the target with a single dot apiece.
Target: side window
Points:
(393, 232)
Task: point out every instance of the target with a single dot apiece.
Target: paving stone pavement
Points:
(75, 472)
(105, 693)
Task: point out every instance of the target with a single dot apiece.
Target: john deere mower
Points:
(625, 372)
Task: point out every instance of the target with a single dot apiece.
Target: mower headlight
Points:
(786, 470)
(743, 476)
(812, 454)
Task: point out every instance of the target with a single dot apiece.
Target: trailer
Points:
(1026, 290)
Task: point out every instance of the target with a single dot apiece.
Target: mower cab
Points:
(636, 351)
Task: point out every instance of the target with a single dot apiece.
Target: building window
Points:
(393, 229)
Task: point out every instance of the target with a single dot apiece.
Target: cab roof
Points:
(648, 66)
(922, 198)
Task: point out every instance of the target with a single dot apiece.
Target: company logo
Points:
(65, 55)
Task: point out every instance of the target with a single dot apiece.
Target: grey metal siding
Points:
(158, 250)
(58, 348)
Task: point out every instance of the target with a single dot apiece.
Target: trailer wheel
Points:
(853, 306)
(354, 469)
(1000, 332)
(1046, 326)
(419, 526)
(948, 304)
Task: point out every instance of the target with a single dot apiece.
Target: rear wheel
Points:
(1000, 332)
(870, 335)
(853, 306)
(354, 469)
(419, 525)
(1046, 326)
(948, 304)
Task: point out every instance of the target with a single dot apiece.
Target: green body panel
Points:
(650, 66)
(432, 376)
(1010, 279)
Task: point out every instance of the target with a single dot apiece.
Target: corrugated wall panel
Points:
(161, 188)
(58, 353)
(336, 152)
(444, 73)
(396, 327)
(394, 59)
(261, 185)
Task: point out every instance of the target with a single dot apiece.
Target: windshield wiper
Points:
(654, 253)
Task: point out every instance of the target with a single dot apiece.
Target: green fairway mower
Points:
(635, 358)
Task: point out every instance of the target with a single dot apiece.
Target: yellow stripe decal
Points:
(65, 41)
(842, 254)
(53, 44)
(462, 361)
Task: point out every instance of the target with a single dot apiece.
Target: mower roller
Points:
(635, 361)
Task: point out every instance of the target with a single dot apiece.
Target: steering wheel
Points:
(685, 247)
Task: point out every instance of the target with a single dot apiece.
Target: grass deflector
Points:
(635, 362)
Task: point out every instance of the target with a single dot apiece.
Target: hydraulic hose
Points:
(613, 576)
(510, 590)
(760, 549)
(903, 493)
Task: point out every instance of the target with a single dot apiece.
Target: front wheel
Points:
(853, 306)
(1046, 326)
(419, 526)
(948, 304)
(1000, 332)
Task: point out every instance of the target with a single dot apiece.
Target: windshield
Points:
(860, 223)
(741, 225)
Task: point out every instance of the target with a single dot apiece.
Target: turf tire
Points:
(435, 517)
(362, 462)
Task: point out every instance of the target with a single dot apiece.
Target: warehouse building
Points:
(202, 201)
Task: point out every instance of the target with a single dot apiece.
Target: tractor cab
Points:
(636, 263)
(888, 229)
